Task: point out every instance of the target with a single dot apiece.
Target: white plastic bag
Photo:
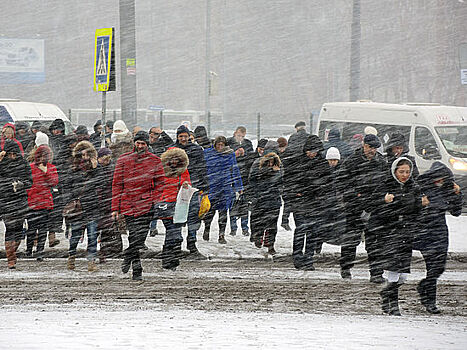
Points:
(183, 204)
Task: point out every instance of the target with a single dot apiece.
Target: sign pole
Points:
(104, 106)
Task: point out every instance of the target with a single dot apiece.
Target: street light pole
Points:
(356, 34)
(207, 62)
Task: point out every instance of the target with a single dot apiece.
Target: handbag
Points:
(204, 206)
(240, 207)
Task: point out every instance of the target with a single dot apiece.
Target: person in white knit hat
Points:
(333, 156)
(41, 139)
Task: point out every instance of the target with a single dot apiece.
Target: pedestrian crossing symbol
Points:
(104, 60)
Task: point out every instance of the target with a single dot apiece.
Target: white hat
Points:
(369, 130)
(119, 125)
(41, 139)
(333, 153)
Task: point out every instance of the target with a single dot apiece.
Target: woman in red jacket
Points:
(40, 200)
(175, 164)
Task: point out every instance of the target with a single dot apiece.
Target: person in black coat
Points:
(199, 180)
(444, 195)
(395, 206)
(96, 137)
(201, 137)
(397, 147)
(265, 190)
(15, 179)
(84, 183)
(360, 173)
(243, 149)
(309, 205)
(159, 141)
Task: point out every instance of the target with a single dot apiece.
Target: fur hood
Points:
(270, 156)
(84, 145)
(179, 169)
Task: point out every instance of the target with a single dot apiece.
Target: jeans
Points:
(305, 236)
(77, 230)
(243, 221)
(173, 232)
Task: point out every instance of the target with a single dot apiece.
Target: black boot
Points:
(169, 257)
(385, 293)
(194, 252)
(394, 300)
(137, 270)
(430, 290)
(126, 264)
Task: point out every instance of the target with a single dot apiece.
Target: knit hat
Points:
(282, 141)
(313, 144)
(299, 124)
(41, 139)
(81, 130)
(262, 143)
(271, 146)
(36, 125)
(333, 153)
(120, 125)
(104, 152)
(141, 136)
(372, 141)
(369, 130)
(57, 124)
(182, 129)
(200, 131)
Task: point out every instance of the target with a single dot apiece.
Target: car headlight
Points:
(458, 164)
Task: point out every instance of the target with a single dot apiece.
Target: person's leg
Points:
(193, 224)
(374, 253)
(287, 210)
(138, 229)
(271, 229)
(207, 223)
(12, 228)
(77, 230)
(42, 228)
(233, 225)
(435, 265)
(244, 223)
(222, 225)
(312, 229)
(350, 240)
(172, 245)
(91, 228)
(299, 240)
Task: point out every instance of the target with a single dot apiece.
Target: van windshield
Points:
(454, 138)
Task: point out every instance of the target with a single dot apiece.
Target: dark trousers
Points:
(222, 220)
(38, 223)
(193, 222)
(286, 212)
(350, 240)
(137, 231)
(435, 262)
(264, 225)
(14, 227)
(307, 228)
(375, 252)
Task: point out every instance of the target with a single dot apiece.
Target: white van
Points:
(432, 131)
(13, 111)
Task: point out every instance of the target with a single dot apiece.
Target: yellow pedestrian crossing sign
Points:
(104, 60)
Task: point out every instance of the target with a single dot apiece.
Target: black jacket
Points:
(196, 166)
(14, 202)
(395, 223)
(161, 145)
(244, 162)
(360, 178)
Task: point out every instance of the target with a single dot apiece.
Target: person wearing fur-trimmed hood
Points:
(395, 205)
(175, 163)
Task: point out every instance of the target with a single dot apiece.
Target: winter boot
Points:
(271, 250)
(286, 226)
(137, 270)
(71, 262)
(194, 252)
(126, 264)
(10, 254)
(92, 267)
(52, 240)
(394, 299)
(385, 300)
(345, 274)
(421, 289)
(222, 240)
(169, 257)
(430, 290)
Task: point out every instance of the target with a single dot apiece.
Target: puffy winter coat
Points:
(224, 178)
(136, 183)
(175, 163)
(266, 183)
(196, 165)
(433, 232)
(395, 223)
(40, 194)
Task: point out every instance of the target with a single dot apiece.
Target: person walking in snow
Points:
(432, 239)
(225, 182)
(395, 206)
(135, 189)
(15, 179)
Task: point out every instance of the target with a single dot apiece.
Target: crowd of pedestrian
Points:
(116, 182)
